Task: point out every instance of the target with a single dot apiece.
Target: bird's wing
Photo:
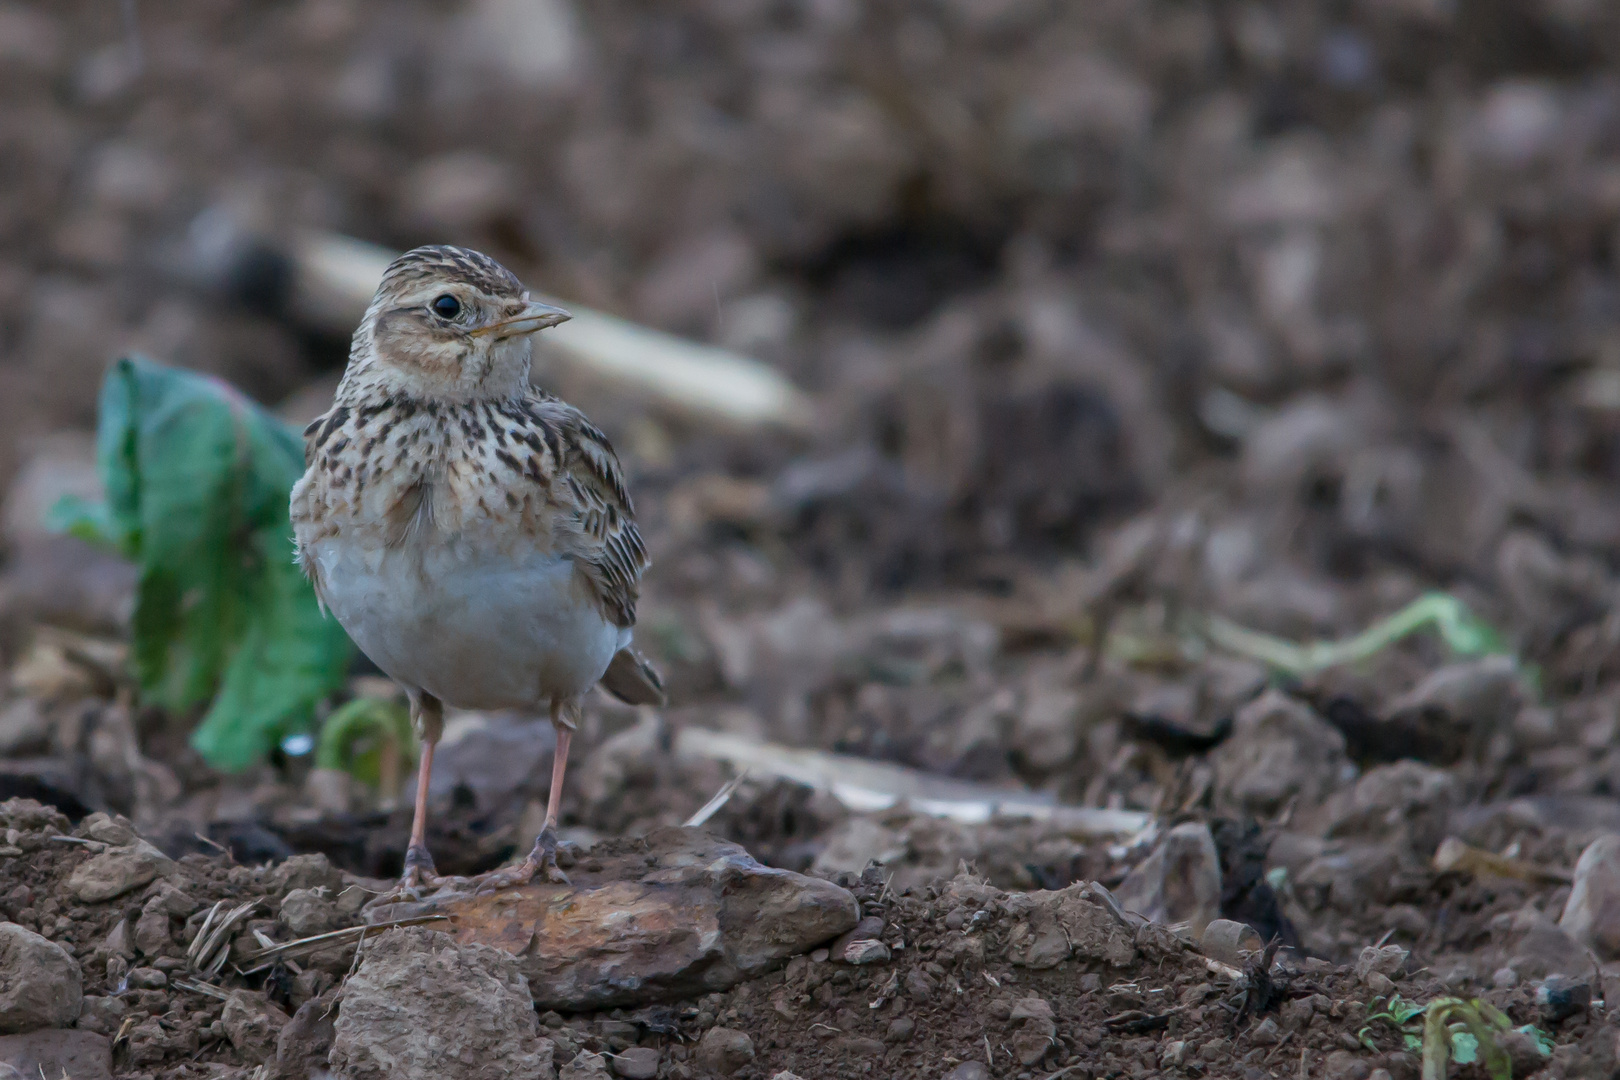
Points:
(605, 541)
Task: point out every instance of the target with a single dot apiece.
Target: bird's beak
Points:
(535, 316)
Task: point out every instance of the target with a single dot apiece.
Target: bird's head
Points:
(449, 324)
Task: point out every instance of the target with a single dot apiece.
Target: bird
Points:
(471, 533)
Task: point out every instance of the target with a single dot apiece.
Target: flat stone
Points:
(636, 1063)
(81, 1055)
(423, 1006)
(1180, 882)
(1592, 912)
(114, 873)
(676, 913)
(40, 983)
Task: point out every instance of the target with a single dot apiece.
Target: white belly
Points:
(477, 631)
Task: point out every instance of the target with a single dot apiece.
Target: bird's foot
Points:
(540, 862)
(419, 874)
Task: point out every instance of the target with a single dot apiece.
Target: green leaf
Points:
(1464, 1048)
(353, 737)
(197, 480)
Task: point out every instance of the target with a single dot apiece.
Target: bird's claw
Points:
(541, 862)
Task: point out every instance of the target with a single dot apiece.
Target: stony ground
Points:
(958, 979)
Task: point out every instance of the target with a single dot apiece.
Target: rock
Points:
(1380, 984)
(1524, 1050)
(900, 1030)
(307, 912)
(1592, 912)
(1051, 927)
(861, 945)
(81, 1055)
(147, 978)
(152, 931)
(1279, 750)
(855, 843)
(1475, 699)
(677, 912)
(1504, 978)
(969, 1070)
(115, 872)
(636, 1063)
(1038, 1031)
(109, 829)
(306, 872)
(1388, 961)
(1406, 803)
(252, 1024)
(40, 982)
(422, 1005)
(1543, 947)
(725, 1050)
(1561, 997)
(1226, 940)
(24, 728)
(101, 1015)
(1265, 1033)
(1345, 1065)
(585, 1066)
(1180, 882)
(306, 1040)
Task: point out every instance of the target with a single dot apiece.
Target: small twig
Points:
(201, 988)
(77, 840)
(339, 936)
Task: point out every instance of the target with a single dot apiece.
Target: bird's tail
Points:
(631, 679)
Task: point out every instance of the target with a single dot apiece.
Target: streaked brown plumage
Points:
(473, 534)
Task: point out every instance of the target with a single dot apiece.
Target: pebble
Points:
(1346, 1065)
(901, 1029)
(1379, 983)
(636, 1063)
(585, 1066)
(1265, 1033)
(1174, 1054)
(1388, 961)
(969, 1070)
(40, 982)
(1561, 997)
(1592, 912)
(252, 1024)
(1504, 978)
(725, 1050)
(116, 872)
(146, 978)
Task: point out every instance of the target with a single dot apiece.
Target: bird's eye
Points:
(446, 307)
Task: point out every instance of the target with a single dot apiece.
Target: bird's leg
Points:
(427, 712)
(542, 860)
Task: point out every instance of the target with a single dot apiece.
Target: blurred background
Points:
(1113, 316)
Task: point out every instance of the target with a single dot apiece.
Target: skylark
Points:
(471, 533)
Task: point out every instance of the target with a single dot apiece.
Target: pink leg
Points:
(542, 860)
(429, 718)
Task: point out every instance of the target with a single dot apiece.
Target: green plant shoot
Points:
(197, 480)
